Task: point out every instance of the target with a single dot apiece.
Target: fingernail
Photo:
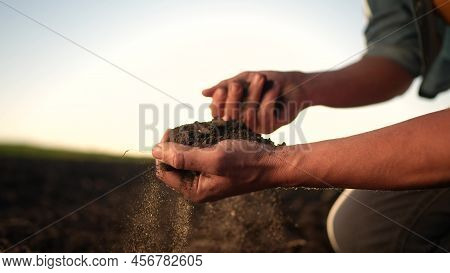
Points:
(225, 118)
(157, 152)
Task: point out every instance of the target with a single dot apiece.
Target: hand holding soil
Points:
(224, 158)
(264, 100)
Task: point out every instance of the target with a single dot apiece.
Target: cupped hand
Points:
(229, 168)
(264, 100)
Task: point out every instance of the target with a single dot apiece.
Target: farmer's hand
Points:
(229, 168)
(264, 100)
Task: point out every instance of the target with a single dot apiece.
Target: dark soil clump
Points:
(206, 134)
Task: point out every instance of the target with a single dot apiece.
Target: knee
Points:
(350, 225)
(371, 221)
(338, 230)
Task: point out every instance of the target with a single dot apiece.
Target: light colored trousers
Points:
(390, 221)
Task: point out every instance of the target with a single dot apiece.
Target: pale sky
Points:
(53, 93)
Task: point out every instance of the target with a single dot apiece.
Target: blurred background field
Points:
(39, 186)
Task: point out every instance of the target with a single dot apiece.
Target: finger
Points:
(182, 157)
(218, 103)
(166, 136)
(211, 188)
(266, 112)
(204, 188)
(209, 92)
(234, 96)
(252, 102)
(173, 178)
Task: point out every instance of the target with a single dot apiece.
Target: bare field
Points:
(144, 215)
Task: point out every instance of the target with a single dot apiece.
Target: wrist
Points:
(312, 88)
(304, 85)
(288, 162)
(300, 166)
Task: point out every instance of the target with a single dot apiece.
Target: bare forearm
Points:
(410, 155)
(370, 80)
